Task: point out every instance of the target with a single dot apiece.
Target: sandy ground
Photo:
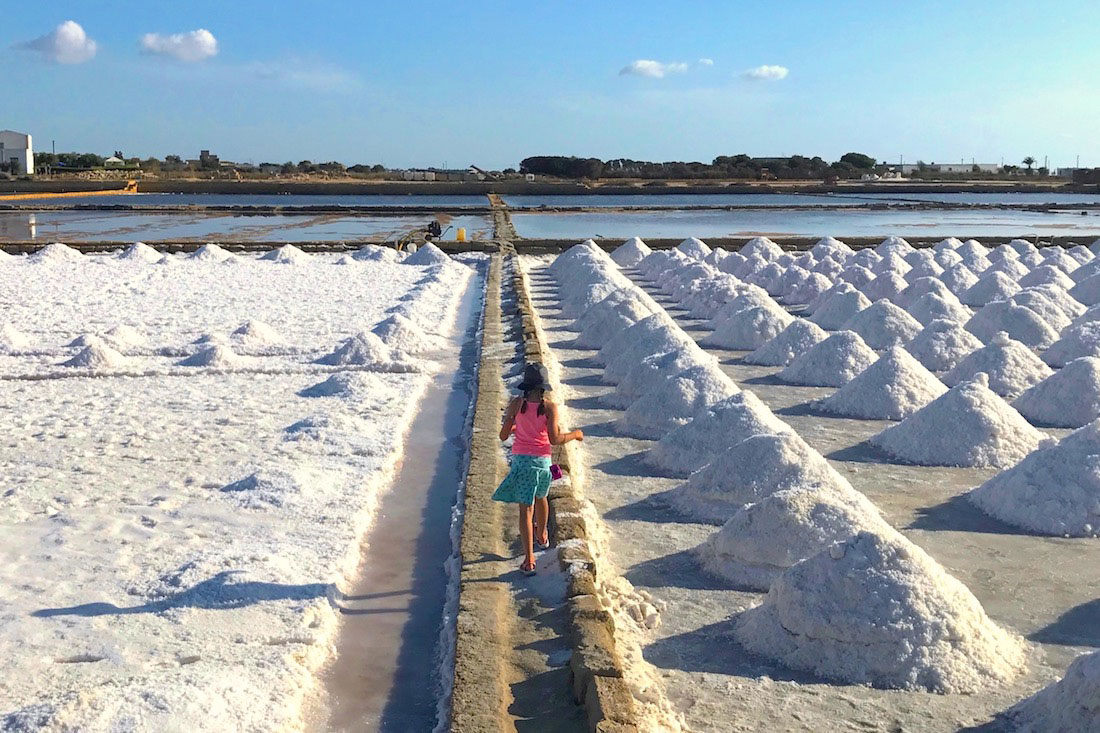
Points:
(1045, 589)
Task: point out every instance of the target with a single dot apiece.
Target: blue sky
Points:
(434, 83)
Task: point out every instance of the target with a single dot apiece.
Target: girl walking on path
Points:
(534, 419)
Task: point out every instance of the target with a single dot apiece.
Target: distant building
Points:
(114, 162)
(1068, 172)
(271, 168)
(443, 174)
(907, 168)
(16, 152)
(206, 160)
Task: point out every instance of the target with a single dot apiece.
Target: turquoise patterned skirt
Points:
(528, 479)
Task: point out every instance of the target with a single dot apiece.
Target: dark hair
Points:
(542, 404)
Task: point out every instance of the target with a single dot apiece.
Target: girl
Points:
(534, 419)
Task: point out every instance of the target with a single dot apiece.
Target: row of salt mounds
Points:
(751, 470)
(288, 254)
(367, 350)
(1069, 398)
(942, 344)
(795, 340)
(893, 388)
(765, 538)
(1070, 704)
(749, 329)
(969, 425)
(693, 445)
(1010, 367)
(1075, 342)
(831, 363)
(631, 252)
(652, 372)
(1054, 490)
(883, 325)
(675, 402)
(878, 610)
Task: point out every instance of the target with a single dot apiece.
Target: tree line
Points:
(850, 165)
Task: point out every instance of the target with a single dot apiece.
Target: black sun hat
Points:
(534, 377)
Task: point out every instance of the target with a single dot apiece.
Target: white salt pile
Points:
(933, 306)
(140, 252)
(268, 487)
(919, 286)
(951, 243)
(211, 252)
(838, 309)
(1055, 490)
(592, 303)
(617, 319)
(1072, 704)
(630, 252)
(96, 357)
(1061, 298)
(124, 338)
(1087, 291)
(969, 425)
(1019, 322)
(891, 263)
(763, 247)
(653, 371)
(808, 290)
(865, 258)
(831, 363)
(948, 258)
(428, 255)
(368, 350)
(959, 279)
(1013, 268)
(878, 610)
(1076, 342)
(12, 339)
(288, 254)
(894, 245)
(218, 356)
(253, 333)
(658, 341)
(749, 329)
(942, 344)
(751, 470)
(995, 286)
(1046, 308)
(694, 248)
(883, 325)
(376, 253)
(675, 402)
(795, 340)
(762, 540)
(893, 388)
(888, 285)
(716, 256)
(711, 432)
(399, 332)
(752, 298)
(1010, 367)
(1046, 275)
(857, 275)
(56, 252)
(644, 330)
(354, 386)
(1069, 398)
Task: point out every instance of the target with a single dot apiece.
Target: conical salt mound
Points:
(839, 308)
(958, 279)
(57, 252)
(694, 248)
(11, 339)
(1046, 275)
(288, 254)
(762, 540)
(1054, 490)
(668, 338)
(211, 253)
(630, 252)
(428, 255)
(969, 425)
(883, 325)
(376, 253)
(942, 344)
(653, 371)
(619, 318)
(711, 431)
(751, 470)
(831, 363)
(793, 341)
(1076, 342)
(1019, 322)
(594, 302)
(1087, 291)
(218, 356)
(888, 286)
(893, 388)
(1010, 367)
(1069, 705)
(256, 333)
(1069, 398)
(124, 337)
(675, 402)
(349, 385)
(763, 247)
(877, 610)
(755, 298)
(140, 252)
(97, 356)
(643, 330)
(1051, 313)
(750, 329)
(933, 306)
(399, 332)
(994, 286)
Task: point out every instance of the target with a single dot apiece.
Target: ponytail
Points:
(542, 405)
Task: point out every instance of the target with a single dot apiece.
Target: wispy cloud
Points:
(767, 72)
(706, 62)
(653, 69)
(308, 75)
(192, 46)
(67, 44)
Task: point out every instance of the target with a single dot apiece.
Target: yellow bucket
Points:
(460, 234)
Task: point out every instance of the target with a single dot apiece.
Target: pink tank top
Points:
(532, 438)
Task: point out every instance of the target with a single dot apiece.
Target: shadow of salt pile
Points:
(216, 593)
(677, 570)
(1079, 626)
(959, 515)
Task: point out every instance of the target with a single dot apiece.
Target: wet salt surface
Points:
(1043, 588)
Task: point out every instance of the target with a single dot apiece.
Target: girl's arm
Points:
(509, 423)
(554, 431)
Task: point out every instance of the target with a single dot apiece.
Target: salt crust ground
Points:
(170, 542)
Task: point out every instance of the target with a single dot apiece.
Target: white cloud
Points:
(67, 44)
(194, 45)
(706, 62)
(653, 69)
(311, 76)
(767, 72)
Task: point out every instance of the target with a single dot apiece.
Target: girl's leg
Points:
(525, 535)
(542, 516)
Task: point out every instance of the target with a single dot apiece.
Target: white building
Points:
(16, 151)
(951, 167)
